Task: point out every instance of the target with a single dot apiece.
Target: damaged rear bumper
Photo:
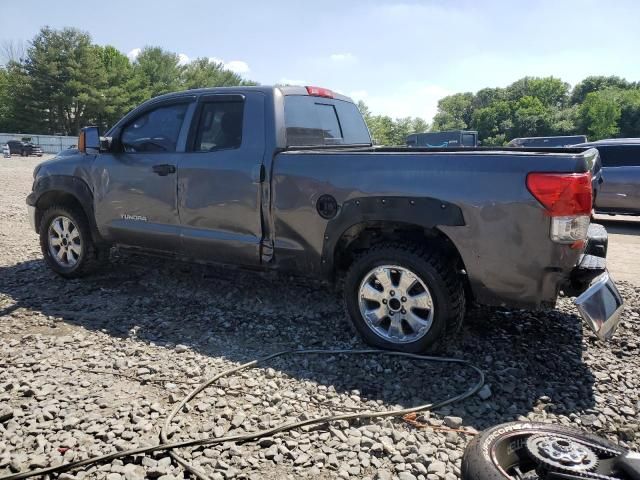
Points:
(600, 306)
(599, 301)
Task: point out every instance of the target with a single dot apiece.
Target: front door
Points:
(219, 180)
(136, 183)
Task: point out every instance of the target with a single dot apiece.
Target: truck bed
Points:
(502, 223)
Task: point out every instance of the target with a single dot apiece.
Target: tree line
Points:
(64, 81)
(598, 106)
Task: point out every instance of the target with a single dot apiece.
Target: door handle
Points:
(164, 169)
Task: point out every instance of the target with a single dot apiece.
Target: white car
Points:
(6, 153)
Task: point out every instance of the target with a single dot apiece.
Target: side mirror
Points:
(89, 140)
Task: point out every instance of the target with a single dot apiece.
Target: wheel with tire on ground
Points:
(67, 244)
(403, 297)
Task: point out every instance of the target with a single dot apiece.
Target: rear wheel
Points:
(66, 242)
(403, 297)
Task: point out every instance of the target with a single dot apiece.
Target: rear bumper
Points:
(599, 301)
(600, 306)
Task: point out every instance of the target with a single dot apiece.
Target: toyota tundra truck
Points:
(287, 179)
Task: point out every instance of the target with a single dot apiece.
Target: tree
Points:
(600, 112)
(386, 131)
(594, 84)
(454, 112)
(16, 114)
(203, 72)
(492, 120)
(123, 89)
(531, 118)
(629, 123)
(158, 70)
(65, 77)
(12, 51)
(4, 99)
(488, 96)
(550, 91)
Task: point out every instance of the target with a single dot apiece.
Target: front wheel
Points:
(401, 297)
(66, 242)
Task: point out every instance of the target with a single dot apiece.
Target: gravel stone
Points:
(93, 366)
(437, 467)
(453, 422)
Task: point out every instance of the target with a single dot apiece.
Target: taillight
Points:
(568, 199)
(562, 193)
(320, 92)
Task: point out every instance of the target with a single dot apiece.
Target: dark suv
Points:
(24, 149)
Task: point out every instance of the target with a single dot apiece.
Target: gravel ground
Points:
(94, 366)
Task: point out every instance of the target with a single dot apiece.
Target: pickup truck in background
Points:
(23, 148)
(620, 190)
(558, 141)
(286, 178)
(451, 138)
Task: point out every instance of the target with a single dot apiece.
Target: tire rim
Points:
(509, 453)
(396, 304)
(65, 243)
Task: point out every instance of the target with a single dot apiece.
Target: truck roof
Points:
(269, 90)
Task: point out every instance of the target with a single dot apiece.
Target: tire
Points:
(432, 275)
(506, 444)
(77, 262)
(23, 153)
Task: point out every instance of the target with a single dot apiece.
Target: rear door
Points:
(620, 190)
(219, 179)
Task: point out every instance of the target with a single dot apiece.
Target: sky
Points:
(398, 57)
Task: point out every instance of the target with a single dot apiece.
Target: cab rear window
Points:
(315, 121)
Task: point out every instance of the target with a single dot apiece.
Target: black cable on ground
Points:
(165, 445)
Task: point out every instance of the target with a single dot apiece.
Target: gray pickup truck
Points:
(287, 179)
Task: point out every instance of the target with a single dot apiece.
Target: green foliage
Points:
(387, 131)
(159, 70)
(550, 91)
(65, 82)
(600, 113)
(595, 83)
(598, 106)
(203, 73)
(455, 112)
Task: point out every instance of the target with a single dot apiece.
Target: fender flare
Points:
(71, 185)
(424, 212)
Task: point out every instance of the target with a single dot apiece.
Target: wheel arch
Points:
(363, 222)
(64, 190)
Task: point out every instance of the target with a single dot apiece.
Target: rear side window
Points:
(155, 131)
(620, 155)
(219, 127)
(312, 121)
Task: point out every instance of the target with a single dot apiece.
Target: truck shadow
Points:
(533, 360)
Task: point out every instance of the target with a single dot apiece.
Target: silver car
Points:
(620, 190)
